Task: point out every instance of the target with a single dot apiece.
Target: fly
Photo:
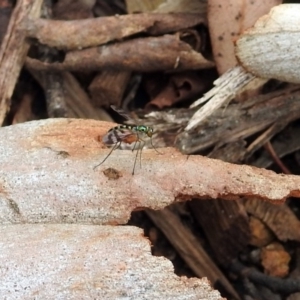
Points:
(127, 134)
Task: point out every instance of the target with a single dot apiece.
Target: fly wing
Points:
(118, 135)
(122, 113)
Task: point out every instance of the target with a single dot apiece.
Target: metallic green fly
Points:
(127, 134)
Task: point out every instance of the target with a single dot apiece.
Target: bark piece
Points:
(47, 175)
(189, 248)
(13, 51)
(86, 33)
(164, 53)
(88, 262)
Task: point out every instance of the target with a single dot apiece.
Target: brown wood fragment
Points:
(77, 101)
(108, 87)
(88, 262)
(164, 53)
(55, 95)
(137, 6)
(73, 10)
(57, 156)
(189, 248)
(13, 51)
(5, 13)
(86, 33)
(225, 224)
(180, 87)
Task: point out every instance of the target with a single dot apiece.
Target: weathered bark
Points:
(47, 176)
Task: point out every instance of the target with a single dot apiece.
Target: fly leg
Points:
(112, 149)
(137, 152)
(154, 147)
(141, 141)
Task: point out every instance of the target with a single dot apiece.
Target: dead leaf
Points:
(227, 20)
(262, 50)
(275, 260)
(280, 219)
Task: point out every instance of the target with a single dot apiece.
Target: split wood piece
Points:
(95, 262)
(79, 34)
(164, 53)
(77, 101)
(13, 51)
(225, 224)
(108, 87)
(189, 248)
(226, 88)
(239, 121)
(47, 175)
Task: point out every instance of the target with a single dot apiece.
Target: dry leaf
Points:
(280, 219)
(271, 48)
(227, 20)
(275, 260)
